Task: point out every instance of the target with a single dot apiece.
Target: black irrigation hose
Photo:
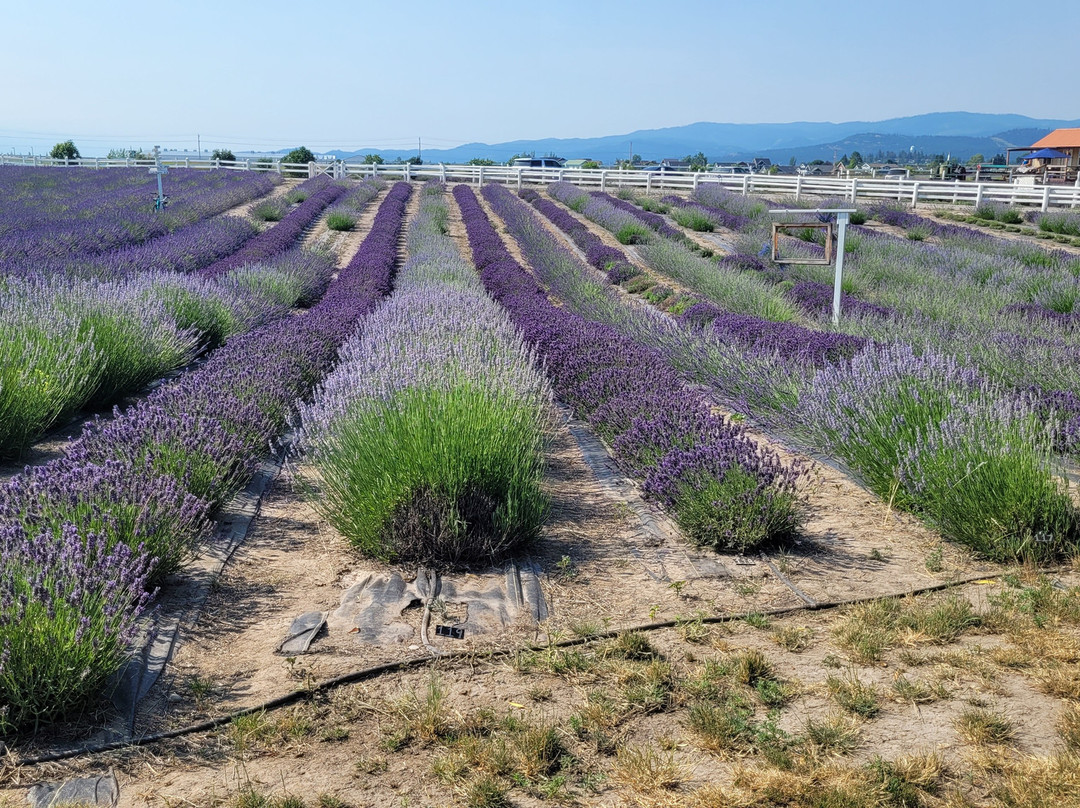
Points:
(416, 662)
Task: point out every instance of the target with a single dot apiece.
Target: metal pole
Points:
(841, 221)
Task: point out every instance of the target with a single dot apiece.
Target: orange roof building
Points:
(1066, 141)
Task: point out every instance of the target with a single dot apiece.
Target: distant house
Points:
(1056, 156)
(1066, 141)
(675, 165)
(578, 162)
(819, 170)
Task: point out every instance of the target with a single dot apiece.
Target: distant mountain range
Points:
(960, 134)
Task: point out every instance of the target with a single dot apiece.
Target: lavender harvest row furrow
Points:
(198, 439)
(610, 260)
(653, 220)
(727, 491)
(281, 236)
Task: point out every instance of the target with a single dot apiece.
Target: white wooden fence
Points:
(912, 192)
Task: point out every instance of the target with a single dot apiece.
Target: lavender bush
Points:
(937, 438)
(68, 610)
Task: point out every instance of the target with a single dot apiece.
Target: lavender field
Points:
(414, 355)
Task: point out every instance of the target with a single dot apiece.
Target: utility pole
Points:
(630, 156)
(198, 140)
(419, 151)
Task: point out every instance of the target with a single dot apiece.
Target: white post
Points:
(914, 194)
(697, 176)
(479, 176)
(603, 181)
(978, 195)
(854, 187)
(442, 171)
(648, 183)
(408, 172)
(519, 172)
(1046, 199)
(841, 222)
(798, 187)
(745, 183)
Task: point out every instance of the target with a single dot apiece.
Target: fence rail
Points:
(910, 191)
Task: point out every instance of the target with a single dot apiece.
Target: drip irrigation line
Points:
(376, 671)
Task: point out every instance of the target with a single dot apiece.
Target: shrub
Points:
(223, 154)
(65, 151)
(340, 221)
(301, 154)
(270, 210)
(632, 233)
(693, 219)
(68, 609)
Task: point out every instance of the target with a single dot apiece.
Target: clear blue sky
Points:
(357, 74)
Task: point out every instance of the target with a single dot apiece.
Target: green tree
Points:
(975, 159)
(997, 160)
(698, 161)
(415, 161)
(373, 160)
(590, 164)
(223, 154)
(65, 151)
(301, 154)
(791, 162)
(856, 160)
(480, 161)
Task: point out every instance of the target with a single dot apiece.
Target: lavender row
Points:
(284, 234)
(429, 433)
(187, 250)
(725, 490)
(654, 220)
(39, 227)
(718, 216)
(148, 479)
(928, 432)
(611, 260)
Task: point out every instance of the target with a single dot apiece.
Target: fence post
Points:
(648, 183)
(519, 172)
(745, 183)
(854, 188)
(408, 172)
(914, 194)
(603, 180)
(978, 193)
(697, 176)
(479, 176)
(798, 187)
(1046, 199)
(442, 171)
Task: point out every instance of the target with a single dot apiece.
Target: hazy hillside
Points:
(959, 133)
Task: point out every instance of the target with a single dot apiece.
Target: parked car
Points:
(537, 162)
